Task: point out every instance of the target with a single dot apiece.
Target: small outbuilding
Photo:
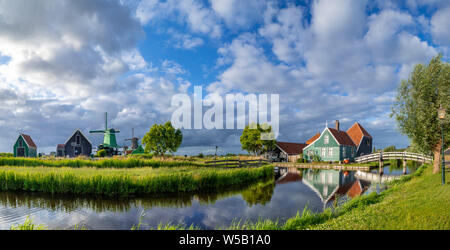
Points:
(25, 147)
(77, 145)
(286, 151)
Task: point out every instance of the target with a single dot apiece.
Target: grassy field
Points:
(124, 182)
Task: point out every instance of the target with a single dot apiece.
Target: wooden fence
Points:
(237, 163)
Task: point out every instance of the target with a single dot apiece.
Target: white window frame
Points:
(324, 152)
(326, 139)
(330, 151)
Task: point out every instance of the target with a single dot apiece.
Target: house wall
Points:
(24, 145)
(293, 158)
(337, 151)
(86, 147)
(365, 146)
(319, 145)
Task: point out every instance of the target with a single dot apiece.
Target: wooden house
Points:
(77, 145)
(332, 145)
(286, 152)
(25, 147)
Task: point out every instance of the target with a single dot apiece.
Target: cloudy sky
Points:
(64, 63)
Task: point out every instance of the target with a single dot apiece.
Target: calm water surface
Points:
(281, 198)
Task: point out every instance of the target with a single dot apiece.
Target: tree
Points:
(415, 108)
(251, 139)
(162, 138)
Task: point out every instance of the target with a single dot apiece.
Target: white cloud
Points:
(440, 26)
(239, 14)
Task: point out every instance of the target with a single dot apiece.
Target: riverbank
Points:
(417, 201)
(125, 182)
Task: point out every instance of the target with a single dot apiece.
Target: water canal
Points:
(281, 198)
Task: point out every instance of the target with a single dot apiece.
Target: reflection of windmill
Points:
(134, 140)
(109, 139)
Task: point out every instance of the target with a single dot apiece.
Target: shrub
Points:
(101, 153)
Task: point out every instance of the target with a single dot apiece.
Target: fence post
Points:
(381, 163)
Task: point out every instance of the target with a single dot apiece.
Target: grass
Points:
(122, 162)
(28, 225)
(125, 182)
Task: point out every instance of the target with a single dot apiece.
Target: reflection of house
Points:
(326, 183)
(77, 144)
(25, 147)
(336, 145)
(286, 151)
(289, 175)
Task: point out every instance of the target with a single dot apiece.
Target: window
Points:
(330, 151)
(326, 139)
(344, 152)
(78, 139)
(20, 143)
(324, 151)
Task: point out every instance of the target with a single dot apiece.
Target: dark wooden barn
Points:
(77, 145)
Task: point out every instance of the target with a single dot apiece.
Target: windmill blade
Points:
(97, 131)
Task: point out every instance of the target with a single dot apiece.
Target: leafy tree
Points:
(251, 139)
(415, 108)
(162, 138)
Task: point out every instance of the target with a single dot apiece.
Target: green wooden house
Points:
(332, 145)
(25, 147)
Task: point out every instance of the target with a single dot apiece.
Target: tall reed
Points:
(100, 163)
(112, 182)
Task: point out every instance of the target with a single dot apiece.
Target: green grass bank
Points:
(416, 201)
(125, 182)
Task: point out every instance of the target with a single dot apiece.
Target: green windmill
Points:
(109, 140)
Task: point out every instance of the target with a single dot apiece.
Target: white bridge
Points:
(394, 156)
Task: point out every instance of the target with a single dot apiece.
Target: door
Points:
(77, 151)
(20, 152)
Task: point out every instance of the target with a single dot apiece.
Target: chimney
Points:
(337, 125)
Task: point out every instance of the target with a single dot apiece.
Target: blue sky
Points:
(64, 63)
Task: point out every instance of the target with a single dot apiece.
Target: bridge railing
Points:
(393, 155)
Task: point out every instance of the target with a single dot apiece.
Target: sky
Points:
(64, 63)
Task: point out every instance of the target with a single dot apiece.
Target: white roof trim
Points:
(74, 134)
(21, 135)
(321, 134)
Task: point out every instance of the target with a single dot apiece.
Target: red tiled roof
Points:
(356, 132)
(312, 139)
(291, 148)
(342, 137)
(29, 141)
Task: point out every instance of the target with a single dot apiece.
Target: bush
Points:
(200, 155)
(101, 153)
(6, 154)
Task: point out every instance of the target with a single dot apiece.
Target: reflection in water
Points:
(279, 198)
